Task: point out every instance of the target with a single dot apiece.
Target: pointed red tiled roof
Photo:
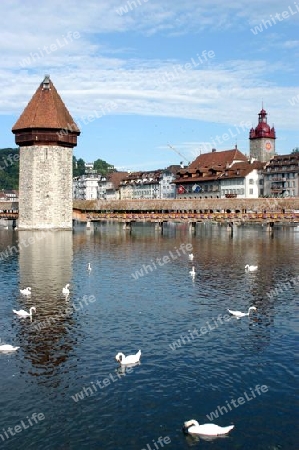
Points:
(46, 110)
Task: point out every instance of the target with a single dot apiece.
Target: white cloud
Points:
(89, 71)
(291, 44)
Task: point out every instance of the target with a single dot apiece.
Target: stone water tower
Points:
(46, 135)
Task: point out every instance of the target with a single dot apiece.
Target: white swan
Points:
(23, 313)
(251, 268)
(26, 291)
(66, 290)
(89, 267)
(130, 359)
(191, 257)
(192, 272)
(7, 348)
(207, 429)
(239, 314)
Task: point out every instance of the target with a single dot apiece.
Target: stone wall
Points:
(45, 187)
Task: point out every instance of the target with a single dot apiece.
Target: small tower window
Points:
(46, 83)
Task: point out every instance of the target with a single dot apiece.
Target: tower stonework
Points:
(46, 134)
(262, 139)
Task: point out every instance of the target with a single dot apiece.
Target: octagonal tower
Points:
(46, 134)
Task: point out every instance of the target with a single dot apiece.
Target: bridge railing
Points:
(217, 216)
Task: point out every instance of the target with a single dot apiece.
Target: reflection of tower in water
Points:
(45, 260)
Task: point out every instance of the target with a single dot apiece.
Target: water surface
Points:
(130, 302)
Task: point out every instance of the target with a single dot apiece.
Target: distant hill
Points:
(9, 167)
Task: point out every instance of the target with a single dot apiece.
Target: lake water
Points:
(65, 370)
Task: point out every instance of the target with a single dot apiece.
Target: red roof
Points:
(217, 160)
(46, 110)
(213, 166)
(241, 170)
(116, 178)
(262, 129)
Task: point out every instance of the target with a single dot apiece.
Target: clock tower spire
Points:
(262, 139)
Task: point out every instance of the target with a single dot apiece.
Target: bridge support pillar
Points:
(159, 227)
(230, 228)
(128, 226)
(192, 227)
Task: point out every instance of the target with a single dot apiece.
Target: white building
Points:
(167, 187)
(85, 187)
(108, 186)
(149, 185)
(243, 180)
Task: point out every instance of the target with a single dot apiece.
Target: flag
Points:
(181, 189)
(196, 188)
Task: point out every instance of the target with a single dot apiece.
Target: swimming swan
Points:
(26, 291)
(130, 359)
(23, 313)
(66, 290)
(208, 429)
(89, 267)
(250, 268)
(7, 348)
(191, 257)
(239, 314)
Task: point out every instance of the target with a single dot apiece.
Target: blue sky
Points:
(141, 76)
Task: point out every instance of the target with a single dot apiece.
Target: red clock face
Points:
(268, 146)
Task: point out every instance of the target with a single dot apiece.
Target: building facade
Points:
(281, 176)
(202, 178)
(46, 161)
(85, 187)
(243, 180)
(108, 186)
(149, 185)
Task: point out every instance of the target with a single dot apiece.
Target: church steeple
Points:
(262, 139)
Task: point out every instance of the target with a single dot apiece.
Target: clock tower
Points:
(262, 139)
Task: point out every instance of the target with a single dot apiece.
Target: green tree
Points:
(9, 168)
(103, 167)
(78, 166)
(295, 150)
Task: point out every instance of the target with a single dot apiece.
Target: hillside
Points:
(9, 168)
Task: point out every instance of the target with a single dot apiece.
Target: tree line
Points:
(9, 168)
